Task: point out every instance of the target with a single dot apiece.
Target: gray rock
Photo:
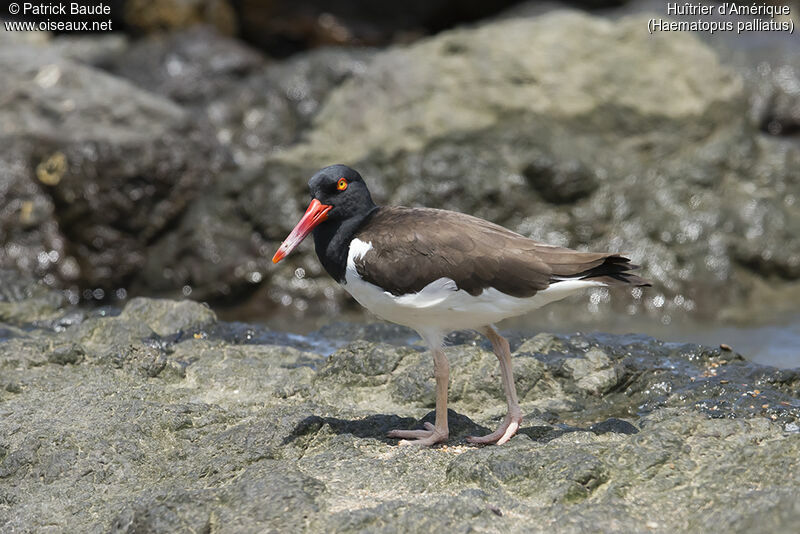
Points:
(161, 418)
(254, 109)
(100, 50)
(66, 354)
(93, 168)
(24, 300)
(166, 317)
(593, 372)
(191, 67)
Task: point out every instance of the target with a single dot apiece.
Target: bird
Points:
(438, 271)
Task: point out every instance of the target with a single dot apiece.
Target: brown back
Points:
(412, 247)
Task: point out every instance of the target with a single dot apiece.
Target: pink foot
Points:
(423, 438)
(503, 434)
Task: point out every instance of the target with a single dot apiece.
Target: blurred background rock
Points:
(170, 158)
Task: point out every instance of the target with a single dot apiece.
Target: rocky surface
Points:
(159, 417)
(93, 169)
(256, 107)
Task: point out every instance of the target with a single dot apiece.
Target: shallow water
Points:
(775, 343)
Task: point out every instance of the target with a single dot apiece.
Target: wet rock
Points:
(783, 114)
(612, 424)
(160, 417)
(377, 332)
(593, 372)
(94, 169)
(24, 299)
(274, 108)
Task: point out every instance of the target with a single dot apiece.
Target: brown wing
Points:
(412, 247)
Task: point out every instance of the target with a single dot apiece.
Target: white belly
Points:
(441, 305)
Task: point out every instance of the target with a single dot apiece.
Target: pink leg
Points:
(514, 416)
(439, 431)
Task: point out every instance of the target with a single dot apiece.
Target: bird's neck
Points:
(332, 242)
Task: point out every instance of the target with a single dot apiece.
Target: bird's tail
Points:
(615, 270)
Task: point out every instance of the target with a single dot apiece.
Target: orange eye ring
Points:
(341, 185)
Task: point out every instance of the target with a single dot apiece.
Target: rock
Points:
(529, 472)
(150, 17)
(144, 325)
(284, 27)
(25, 300)
(559, 182)
(215, 251)
(159, 512)
(529, 86)
(612, 424)
(100, 51)
(159, 417)
(66, 354)
(191, 67)
(361, 364)
(29, 38)
(166, 317)
(94, 168)
(254, 107)
(593, 372)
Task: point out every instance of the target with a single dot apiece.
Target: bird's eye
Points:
(341, 185)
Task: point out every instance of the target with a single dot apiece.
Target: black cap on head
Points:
(329, 176)
(343, 189)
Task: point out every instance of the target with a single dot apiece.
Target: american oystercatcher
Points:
(437, 271)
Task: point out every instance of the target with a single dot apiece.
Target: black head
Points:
(340, 201)
(344, 190)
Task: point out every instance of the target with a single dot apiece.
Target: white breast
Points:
(441, 305)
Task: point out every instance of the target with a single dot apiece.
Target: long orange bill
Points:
(315, 214)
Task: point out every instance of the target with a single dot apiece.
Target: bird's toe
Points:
(506, 431)
(421, 438)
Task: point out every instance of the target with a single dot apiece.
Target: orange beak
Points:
(316, 213)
